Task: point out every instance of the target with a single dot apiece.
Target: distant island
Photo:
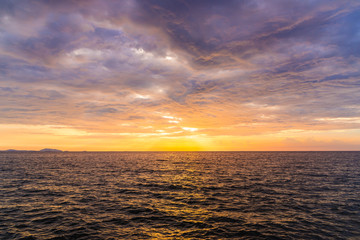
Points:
(14, 150)
(42, 150)
(50, 150)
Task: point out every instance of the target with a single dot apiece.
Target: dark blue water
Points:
(180, 195)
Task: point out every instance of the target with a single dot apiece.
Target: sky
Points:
(210, 75)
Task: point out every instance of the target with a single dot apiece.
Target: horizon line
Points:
(77, 151)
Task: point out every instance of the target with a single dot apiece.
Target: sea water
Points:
(180, 195)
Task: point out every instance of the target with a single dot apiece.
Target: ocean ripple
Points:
(180, 195)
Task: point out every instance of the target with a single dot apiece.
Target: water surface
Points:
(180, 195)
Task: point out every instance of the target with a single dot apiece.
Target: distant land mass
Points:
(50, 150)
(42, 150)
(14, 150)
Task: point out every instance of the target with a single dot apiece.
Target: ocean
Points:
(180, 195)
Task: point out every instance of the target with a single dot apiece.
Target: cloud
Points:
(232, 67)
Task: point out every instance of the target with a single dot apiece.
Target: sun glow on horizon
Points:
(68, 139)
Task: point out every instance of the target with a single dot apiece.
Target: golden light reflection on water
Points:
(185, 196)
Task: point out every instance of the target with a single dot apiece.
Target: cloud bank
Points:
(176, 69)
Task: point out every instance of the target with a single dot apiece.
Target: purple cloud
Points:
(288, 62)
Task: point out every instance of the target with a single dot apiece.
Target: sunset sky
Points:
(180, 75)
